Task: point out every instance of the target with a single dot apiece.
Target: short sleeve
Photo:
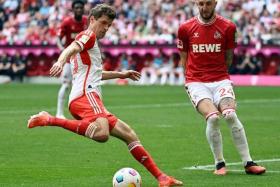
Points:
(86, 40)
(182, 41)
(231, 37)
(62, 29)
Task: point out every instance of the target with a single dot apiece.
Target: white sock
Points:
(238, 134)
(61, 99)
(214, 137)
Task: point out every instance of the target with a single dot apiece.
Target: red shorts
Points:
(90, 107)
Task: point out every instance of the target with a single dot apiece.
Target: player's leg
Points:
(227, 106)
(97, 130)
(213, 133)
(181, 77)
(122, 131)
(163, 72)
(172, 77)
(144, 76)
(66, 83)
(153, 75)
(89, 108)
(201, 97)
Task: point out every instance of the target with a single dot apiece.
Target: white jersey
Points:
(86, 66)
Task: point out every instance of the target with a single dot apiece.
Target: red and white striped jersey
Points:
(86, 66)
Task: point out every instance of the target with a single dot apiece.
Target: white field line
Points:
(211, 167)
(140, 106)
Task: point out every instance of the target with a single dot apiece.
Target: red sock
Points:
(76, 126)
(142, 156)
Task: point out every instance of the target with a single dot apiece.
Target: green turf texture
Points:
(168, 126)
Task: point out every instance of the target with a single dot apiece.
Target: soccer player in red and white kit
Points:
(85, 104)
(69, 28)
(206, 43)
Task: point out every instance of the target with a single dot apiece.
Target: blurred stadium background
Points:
(143, 37)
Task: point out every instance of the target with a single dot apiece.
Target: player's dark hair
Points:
(102, 9)
(82, 2)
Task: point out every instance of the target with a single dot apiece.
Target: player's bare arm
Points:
(229, 57)
(133, 75)
(71, 50)
(183, 59)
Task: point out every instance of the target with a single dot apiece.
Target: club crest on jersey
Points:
(217, 35)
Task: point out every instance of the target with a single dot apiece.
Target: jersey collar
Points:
(199, 20)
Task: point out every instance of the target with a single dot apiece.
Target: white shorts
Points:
(215, 91)
(66, 75)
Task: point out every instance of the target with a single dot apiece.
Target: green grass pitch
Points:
(163, 118)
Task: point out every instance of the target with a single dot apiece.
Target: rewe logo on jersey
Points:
(206, 48)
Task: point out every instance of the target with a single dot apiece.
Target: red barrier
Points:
(255, 80)
(139, 49)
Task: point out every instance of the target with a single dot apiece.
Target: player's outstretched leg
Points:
(141, 155)
(45, 119)
(41, 119)
(166, 181)
(125, 133)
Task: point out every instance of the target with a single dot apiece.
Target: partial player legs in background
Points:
(177, 76)
(66, 83)
(61, 100)
(148, 76)
(214, 138)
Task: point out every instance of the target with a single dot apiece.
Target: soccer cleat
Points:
(220, 169)
(167, 181)
(41, 119)
(254, 169)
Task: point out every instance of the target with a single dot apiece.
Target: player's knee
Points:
(96, 131)
(213, 118)
(102, 138)
(229, 115)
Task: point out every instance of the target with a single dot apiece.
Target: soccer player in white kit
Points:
(85, 103)
(206, 44)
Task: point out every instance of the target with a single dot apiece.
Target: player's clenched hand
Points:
(133, 75)
(56, 69)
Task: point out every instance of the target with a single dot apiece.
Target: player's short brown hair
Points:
(102, 9)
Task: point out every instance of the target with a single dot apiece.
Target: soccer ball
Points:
(127, 177)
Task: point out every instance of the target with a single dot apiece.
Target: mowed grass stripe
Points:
(53, 157)
(143, 106)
